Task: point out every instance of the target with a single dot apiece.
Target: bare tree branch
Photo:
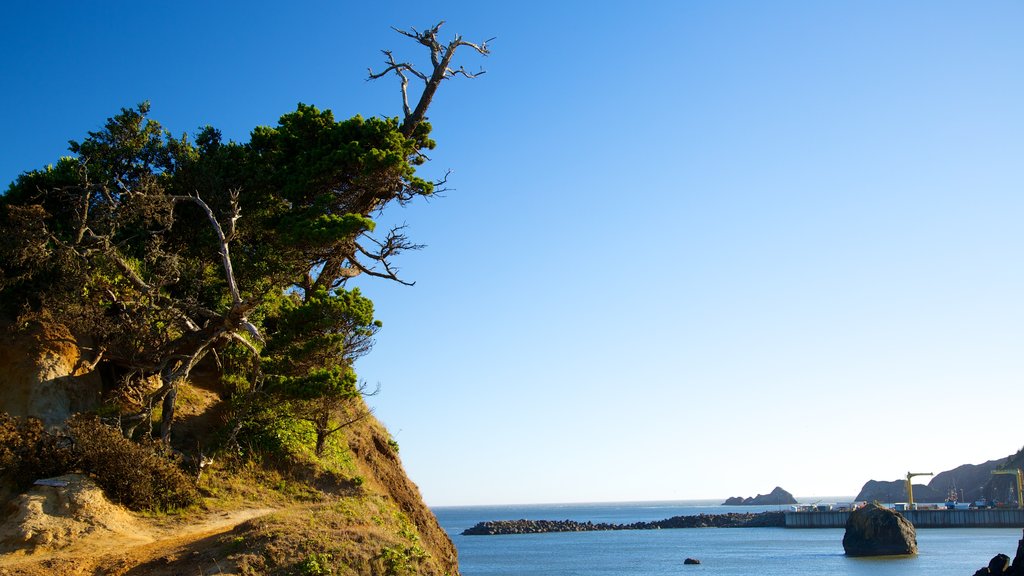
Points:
(245, 342)
(222, 238)
(394, 243)
(440, 59)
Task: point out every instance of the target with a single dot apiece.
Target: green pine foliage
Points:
(163, 249)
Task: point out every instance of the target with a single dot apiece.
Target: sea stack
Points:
(774, 498)
(877, 531)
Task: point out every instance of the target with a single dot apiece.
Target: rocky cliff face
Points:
(43, 375)
(385, 474)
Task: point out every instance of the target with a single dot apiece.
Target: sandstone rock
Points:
(43, 376)
(62, 512)
(877, 531)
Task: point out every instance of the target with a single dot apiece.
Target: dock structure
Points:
(940, 518)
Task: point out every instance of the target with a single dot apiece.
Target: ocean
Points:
(722, 551)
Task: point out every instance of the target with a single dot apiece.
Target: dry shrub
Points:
(28, 452)
(139, 476)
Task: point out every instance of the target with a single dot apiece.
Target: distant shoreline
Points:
(728, 520)
(708, 502)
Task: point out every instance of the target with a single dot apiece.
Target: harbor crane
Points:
(910, 487)
(1016, 472)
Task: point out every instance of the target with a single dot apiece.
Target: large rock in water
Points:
(877, 531)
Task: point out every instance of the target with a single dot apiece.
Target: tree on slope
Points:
(164, 251)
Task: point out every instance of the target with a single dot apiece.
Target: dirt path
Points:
(150, 548)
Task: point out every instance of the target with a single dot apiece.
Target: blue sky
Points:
(693, 250)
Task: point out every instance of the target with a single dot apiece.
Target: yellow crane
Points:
(910, 487)
(1016, 472)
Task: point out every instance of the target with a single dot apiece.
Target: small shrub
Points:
(140, 476)
(316, 564)
(398, 561)
(28, 452)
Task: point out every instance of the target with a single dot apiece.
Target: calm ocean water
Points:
(722, 551)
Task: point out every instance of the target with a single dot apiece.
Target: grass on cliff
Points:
(329, 521)
(355, 535)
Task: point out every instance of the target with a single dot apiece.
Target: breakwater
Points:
(988, 518)
(730, 520)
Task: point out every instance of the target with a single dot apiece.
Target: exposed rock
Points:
(877, 531)
(382, 468)
(691, 561)
(778, 496)
(61, 513)
(42, 374)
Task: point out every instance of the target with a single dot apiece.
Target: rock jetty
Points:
(731, 520)
(777, 496)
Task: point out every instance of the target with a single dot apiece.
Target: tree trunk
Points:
(322, 432)
(167, 414)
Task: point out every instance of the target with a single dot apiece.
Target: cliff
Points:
(356, 512)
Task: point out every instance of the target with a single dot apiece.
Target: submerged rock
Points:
(877, 531)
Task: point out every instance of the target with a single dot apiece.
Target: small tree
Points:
(308, 362)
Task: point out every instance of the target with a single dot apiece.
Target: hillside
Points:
(970, 482)
(355, 512)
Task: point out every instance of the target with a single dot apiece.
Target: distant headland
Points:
(776, 496)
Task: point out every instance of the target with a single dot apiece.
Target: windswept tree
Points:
(161, 251)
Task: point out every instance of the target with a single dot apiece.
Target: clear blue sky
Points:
(695, 249)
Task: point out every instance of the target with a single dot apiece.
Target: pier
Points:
(938, 518)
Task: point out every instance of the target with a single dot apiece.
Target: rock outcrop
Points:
(60, 512)
(778, 496)
(877, 531)
(42, 374)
